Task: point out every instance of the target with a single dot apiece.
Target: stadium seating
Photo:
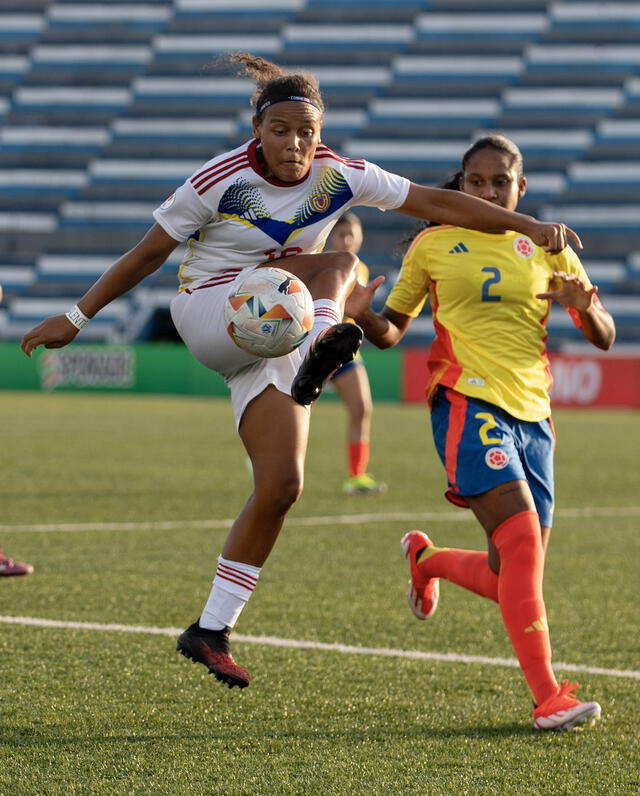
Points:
(105, 107)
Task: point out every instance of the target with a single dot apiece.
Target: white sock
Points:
(326, 313)
(232, 586)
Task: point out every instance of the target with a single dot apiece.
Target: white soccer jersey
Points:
(232, 217)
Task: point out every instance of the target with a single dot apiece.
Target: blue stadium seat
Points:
(633, 268)
(563, 107)
(12, 69)
(20, 25)
(442, 75)
(544, 148)
(616, 139)
(23, 313)
(580, 65)
(413, 117)
(631, 106)
(55, 147)
(472, 31)
(196, 96)
(160, 137)
(594, 22)
(617, 181)
(16, 279)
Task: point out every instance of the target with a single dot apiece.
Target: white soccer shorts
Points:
(199, 318)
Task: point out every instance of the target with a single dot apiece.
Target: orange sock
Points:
(358, 457)
(521, 602)
(466, 568)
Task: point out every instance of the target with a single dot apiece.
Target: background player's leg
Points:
(352, 385)
(355, 393)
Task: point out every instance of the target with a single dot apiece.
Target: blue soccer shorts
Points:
(482, 446)
(354, 363)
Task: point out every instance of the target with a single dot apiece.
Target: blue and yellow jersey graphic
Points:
(243, 202)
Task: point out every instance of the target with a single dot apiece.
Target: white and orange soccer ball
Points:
(268, 312)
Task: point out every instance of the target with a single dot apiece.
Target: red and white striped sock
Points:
(232, 586)
(326, 313)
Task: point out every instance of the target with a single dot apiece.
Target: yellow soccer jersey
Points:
(490, 328)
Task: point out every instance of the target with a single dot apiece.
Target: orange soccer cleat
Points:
(423, 593)
(563, 711)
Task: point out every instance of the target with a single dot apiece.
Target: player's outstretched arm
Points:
(145, 258)
(463, 210)
(585, 308)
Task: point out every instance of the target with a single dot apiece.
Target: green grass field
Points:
(107, 497)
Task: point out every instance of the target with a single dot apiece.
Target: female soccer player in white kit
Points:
(276, 196)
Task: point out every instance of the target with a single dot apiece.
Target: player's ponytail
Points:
(275, 83)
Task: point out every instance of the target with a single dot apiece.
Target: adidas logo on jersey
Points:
(460, 248)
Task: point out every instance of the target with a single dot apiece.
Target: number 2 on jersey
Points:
(492, 279)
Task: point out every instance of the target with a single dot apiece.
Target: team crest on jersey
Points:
(496, 459)
(523, 246)
(320, 202)
(168, 202)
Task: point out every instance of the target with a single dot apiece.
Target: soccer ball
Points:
(268, 312)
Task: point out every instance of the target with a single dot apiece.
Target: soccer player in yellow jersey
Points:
(351, 381)
(488, 391)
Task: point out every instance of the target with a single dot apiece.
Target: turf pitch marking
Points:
(274, 641)
(338, 519)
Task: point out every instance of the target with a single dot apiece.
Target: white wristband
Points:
(77, 317)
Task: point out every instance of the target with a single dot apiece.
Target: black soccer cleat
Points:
(331, 349)
(211, 647)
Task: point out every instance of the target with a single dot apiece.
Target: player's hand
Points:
(570, 291)
(361, 297)
(54, 332)
(553, 237)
